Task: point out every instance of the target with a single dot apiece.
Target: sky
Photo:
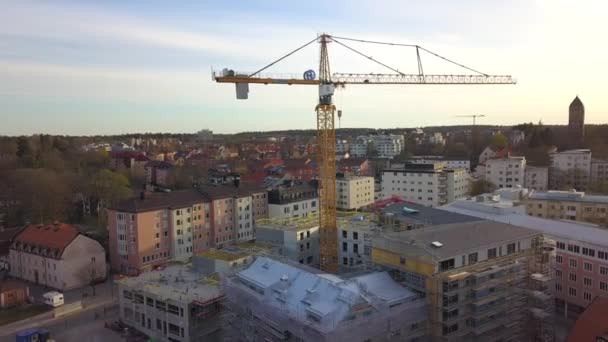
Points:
(112, 66)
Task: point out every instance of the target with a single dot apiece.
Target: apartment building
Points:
(507, 172)
(568, 205)
(355, 233)
(570, 170)
(293, 199)
(151, 229)
(57, 256)
(581, 261)
(281, 301)
(342, 146)
(387, 146)
(427, 184)
(599, 171)
(354, 192)
(176, 304)
(472, 274)
(297, 239)
(450, 163)
(536, 178)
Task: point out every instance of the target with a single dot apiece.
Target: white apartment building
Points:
(295, 239)
(342, 146)
(355, 240)
(354, 192)
(450, 163)
(536, 178)
(293, 200)
(244, 218)
(426, 184)
(508, 172)
(436, 138)
(570, 169)
(599, 171)
(182, 230)
(387, 146)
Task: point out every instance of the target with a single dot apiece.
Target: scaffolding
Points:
(540, 300)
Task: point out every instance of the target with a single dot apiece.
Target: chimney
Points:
(142, 195)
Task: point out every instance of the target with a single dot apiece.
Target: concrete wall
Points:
(294, 209)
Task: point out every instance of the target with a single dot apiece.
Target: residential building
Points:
(516, 137)
(355, 233)
(570, 170)
(473, 274)
(591, 325)
(297, 239)
(56, 255)
(354, 192)
(507, 172)
(436, 138)
(491, 152)
(599, 171)
(581, 261)
(342, 146)
(277, 301)
(576, 123)
(158, 172)
(536, 178)
(568, 205)
(407, 216)
(13, 293)
(353, 166)
(386, 146)
(177, 303)
(293, 199)
(427, 184)
(450, 163)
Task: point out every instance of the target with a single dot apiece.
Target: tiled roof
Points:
(160, 200)
(592, 323)
(54, 236)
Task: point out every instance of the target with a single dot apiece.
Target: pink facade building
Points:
(152, 229)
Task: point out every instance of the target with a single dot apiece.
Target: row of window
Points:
(590, 252)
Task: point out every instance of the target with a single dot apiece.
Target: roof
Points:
(213, 192)
(159, 164)
(223, 255)
(427, 215)
(577, 103)
(592, 323)
(457, 238)
(160, 200)
(180, 283)
(54, 236)
(566, 230)
(570, 196)
(326, 296)
(351, 162)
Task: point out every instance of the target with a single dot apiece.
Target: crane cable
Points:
(412, 45)
(366, 56)
(285, 56)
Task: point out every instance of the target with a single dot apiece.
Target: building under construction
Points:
(177, 303)
(484, 280)
(272, 300)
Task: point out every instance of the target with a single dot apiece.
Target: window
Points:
(448, 329)
(587, 266)
(572, 277)
(587, 296)
(344, 247)
(572, 292)
(572, 262)
(355, 235)
(588, 282)
(302, 236)
(560, 245)
(491, 253)
(603, 270)
(127, 294)
(559, 259)
(558, 273)
(345, 261)
(344, 234)
(472, 258)
(355, 248)
(558, 287)
(446, 265)
(402, 260)
(510, 248)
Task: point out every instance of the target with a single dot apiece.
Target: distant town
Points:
(470, 232)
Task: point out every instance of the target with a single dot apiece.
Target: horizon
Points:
(128, 65)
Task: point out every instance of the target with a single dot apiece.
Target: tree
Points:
(108, 188)
(499, 141)
(481, 186)
(599, 188)
(91, 273)
(402, 156)
(372, 151)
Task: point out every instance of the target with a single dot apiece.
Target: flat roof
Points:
(456, 238)
(427, 215)
(568, 196)
(223, 255)
(555, 228)
(180, 283)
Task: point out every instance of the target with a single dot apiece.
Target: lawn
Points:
(16, 314)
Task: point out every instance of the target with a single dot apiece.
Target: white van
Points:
(53, 298)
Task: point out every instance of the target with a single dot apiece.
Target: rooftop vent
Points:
(284, 277)
(436, 244)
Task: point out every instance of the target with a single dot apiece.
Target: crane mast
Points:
(325, 110)
(326, 152)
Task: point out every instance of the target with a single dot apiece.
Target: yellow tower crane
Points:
(326, 133)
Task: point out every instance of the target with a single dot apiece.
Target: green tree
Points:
(499, 141)
(481, 186)
(108, 188)
(372, 151)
